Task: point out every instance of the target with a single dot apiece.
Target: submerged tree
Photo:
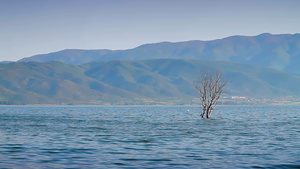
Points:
(210, 86)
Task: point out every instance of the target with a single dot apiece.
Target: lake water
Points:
(149, 137)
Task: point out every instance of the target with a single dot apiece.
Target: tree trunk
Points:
(203, 111)
(208, 113)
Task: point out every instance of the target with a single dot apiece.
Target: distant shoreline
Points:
(158, 105)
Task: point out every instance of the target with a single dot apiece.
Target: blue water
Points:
(149, 137)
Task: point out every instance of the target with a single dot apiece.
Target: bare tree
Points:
(210, 86)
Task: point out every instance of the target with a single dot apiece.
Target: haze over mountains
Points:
(276, 51)
(260, 66)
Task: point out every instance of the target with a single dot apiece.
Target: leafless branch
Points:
(210, 87)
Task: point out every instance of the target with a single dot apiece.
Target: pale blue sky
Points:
(30, 27)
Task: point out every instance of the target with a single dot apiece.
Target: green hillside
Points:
(170, 74)
(53, 83)
(158, 81)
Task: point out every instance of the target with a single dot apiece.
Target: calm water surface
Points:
(149, 137)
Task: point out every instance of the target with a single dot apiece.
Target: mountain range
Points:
(280, 52)
(162, 73)
(155, 81)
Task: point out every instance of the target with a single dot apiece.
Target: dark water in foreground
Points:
(149, 137)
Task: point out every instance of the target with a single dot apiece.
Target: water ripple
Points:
(149, 137)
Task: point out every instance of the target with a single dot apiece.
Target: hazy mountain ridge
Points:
(70, 56)
(281, 52)
(257, 66)
(53, 83)
(133, 82)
